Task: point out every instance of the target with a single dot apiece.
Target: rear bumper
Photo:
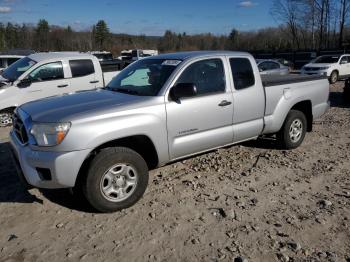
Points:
(63, 167)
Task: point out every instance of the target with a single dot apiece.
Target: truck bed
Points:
(276, 80)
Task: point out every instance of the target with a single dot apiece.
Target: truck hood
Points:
(67, 108)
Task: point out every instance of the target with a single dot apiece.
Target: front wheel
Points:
(334, 77)
(293, 130)
(5, 118)
(117, 179)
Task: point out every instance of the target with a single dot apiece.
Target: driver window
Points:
(274, 65)
(207, 75)
(47, 72)
(263, 66)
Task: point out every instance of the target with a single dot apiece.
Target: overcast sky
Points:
(150, 17)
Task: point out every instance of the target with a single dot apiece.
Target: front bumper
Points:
(63, 166)
(318, 72)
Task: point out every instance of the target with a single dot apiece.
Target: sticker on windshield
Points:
(171, 62)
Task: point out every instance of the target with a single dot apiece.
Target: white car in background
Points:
(335, 67)
(42, 75)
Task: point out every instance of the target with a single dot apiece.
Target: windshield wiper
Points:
(125, 90)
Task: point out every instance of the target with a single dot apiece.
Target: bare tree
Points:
(344, 11)
(287, 11)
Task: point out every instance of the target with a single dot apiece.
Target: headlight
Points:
(324, 68)
(49, 134)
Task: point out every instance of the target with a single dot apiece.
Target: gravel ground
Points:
(251, 202)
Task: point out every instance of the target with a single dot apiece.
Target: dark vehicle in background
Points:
(108, 62)
(7, 60)
(9, 57)
(103, 55)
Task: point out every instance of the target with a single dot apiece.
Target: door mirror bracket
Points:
(24, 83)
(182, 90)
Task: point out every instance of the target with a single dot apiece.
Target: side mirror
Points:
(343, 62)
(261, 70)
(182, 90)
(24, 83)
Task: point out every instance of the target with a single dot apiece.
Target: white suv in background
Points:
(335, 67)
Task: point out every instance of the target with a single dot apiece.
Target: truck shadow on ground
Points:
(12, 190)
(338, 99)
(65, 198)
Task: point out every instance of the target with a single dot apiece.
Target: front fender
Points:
(8, 98)
(92, 134)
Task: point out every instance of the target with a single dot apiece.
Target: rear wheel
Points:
(334, 77)
(117, 179)
(293, 130)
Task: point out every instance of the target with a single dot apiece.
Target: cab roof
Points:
(196, 54)
(38, 57)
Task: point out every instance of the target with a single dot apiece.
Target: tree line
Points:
(303, 25)
(313, 24)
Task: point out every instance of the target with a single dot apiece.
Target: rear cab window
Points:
(242, 73)
(82, 67)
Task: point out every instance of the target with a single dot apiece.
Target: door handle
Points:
(94, 82)
(61, 86)
(225, 103)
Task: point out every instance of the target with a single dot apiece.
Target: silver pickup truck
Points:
(158, 110)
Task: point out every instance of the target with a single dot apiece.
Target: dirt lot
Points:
(251, 201)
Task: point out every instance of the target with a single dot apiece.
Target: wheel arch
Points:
(9, 109)
(141, 144)
(306, 108)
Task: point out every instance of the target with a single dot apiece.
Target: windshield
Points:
(14, 71)
(327, 59)
(144, 77)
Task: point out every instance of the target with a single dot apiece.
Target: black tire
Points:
(284, 136)
(103, 162)
(6, 117)
(334, 77)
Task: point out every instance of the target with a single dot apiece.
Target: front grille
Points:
(311, 68)
(19, 129)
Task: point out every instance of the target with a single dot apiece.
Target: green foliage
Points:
(101, 34)
(42, 35)
(232, 39)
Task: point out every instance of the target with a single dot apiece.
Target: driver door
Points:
(45, 81)
(202, 122)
